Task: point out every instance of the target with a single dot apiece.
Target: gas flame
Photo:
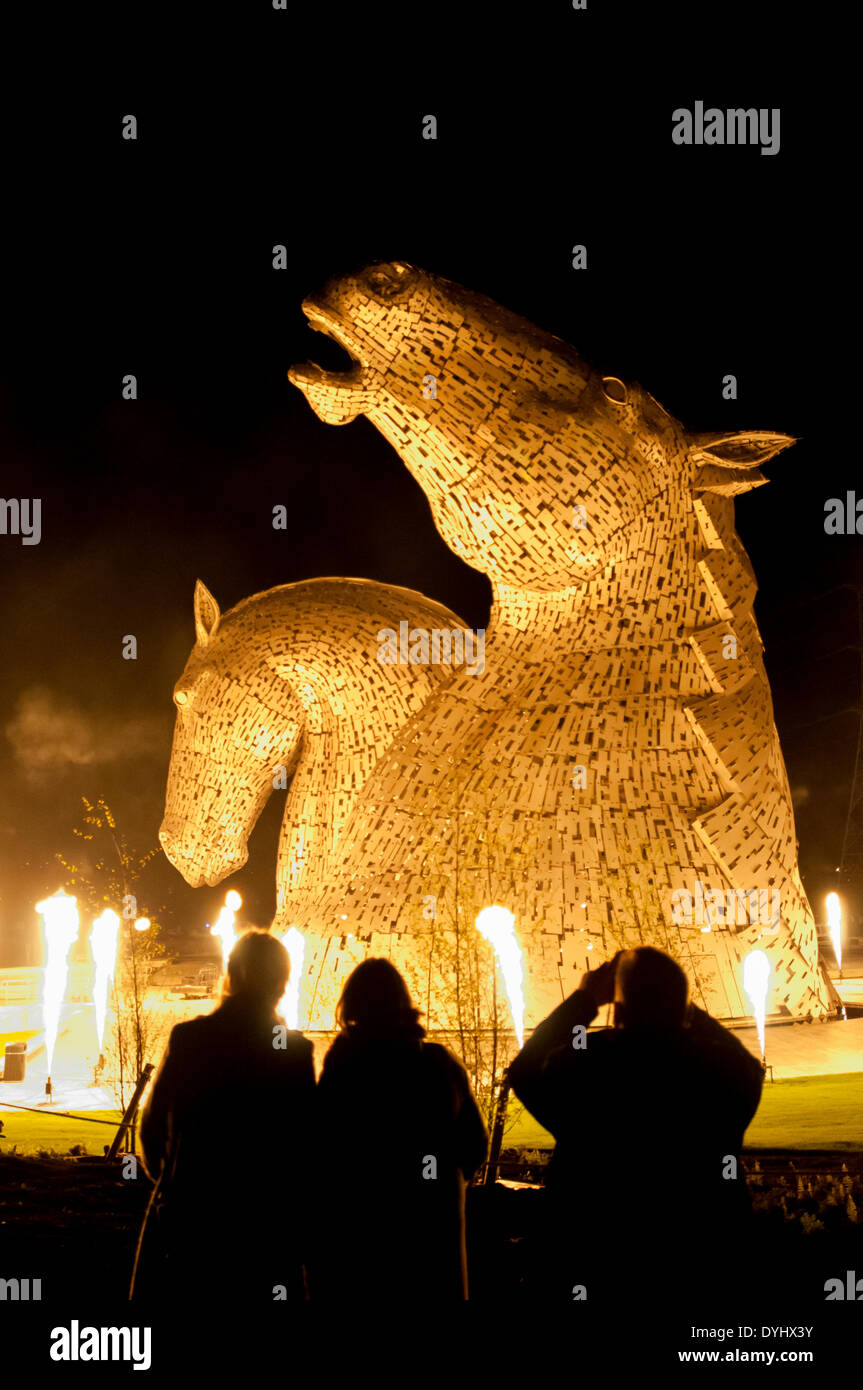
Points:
(497, 925)
(756, 974)
(289, 1005)
(834, 924)
(103, 944)
(224, 927)
(60, 928)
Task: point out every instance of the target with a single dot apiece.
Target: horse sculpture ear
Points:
(207, 614)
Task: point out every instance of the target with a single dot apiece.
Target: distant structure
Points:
(606, 765)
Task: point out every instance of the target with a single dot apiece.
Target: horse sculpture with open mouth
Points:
(613, 762)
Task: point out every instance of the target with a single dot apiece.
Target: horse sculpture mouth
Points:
(310, 373)
(209, 866)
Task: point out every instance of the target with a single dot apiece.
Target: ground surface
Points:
(818, 1112)
(74, 1226)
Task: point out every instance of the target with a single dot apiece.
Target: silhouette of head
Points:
(258, 968)
(376, 998)
(651, 991)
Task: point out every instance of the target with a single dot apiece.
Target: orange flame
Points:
(756, 976)
(224, 927)
(103, 944)
(60, 928)
(497, 925)
(289, 1005)
(834, 924)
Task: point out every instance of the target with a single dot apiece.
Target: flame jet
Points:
(289, 1004)
(225, 927)
(60, 928)
(834, 925)
(103, 944)
(756, 980)
(497, 926)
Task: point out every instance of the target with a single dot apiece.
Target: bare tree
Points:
(464, 999)
(136, 1031)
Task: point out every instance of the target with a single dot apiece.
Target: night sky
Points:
(154, 257)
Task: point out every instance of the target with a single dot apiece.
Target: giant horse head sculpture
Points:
(501, 423)
(287, 690)
(622, 612)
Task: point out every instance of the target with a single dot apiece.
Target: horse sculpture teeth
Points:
(616, 756)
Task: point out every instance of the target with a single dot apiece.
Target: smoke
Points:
(49, 731)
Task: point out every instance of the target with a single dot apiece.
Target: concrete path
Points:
(66, 1097)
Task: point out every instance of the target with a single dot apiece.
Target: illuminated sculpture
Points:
(285, 690)
(611, 770)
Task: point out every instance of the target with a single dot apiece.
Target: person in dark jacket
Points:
(400, 1135)
(645, 1183)
(229, 1114)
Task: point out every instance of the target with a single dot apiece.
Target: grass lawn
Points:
(32, 1133)
(815, 1112)
(812, 1112)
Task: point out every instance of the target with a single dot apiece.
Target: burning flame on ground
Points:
(497, 925)
(103, 944)
(834, 924)
(224, 927)
(60, 929)
(289, 1005)
(756, 974)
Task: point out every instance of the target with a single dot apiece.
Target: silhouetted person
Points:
(400, 1134)
(223, 1134)
(649, 1119)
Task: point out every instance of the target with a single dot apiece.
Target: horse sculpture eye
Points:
(181, 698)
(615, 390)
(384, 286)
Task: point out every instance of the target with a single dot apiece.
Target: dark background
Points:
(258, 127)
